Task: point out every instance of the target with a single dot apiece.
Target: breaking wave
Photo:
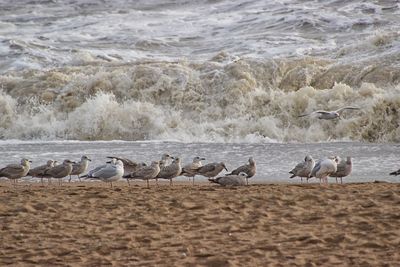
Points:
(219, 100)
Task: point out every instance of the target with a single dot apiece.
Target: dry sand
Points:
(90, 224)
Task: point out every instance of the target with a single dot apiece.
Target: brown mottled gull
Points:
(145, 173)
(344, 168)
(230, 180)
(171, 171)
(190, 170)
(211, 169)
(79, 167)
(40, 170)
(249, 169)
(304, 168)
(16, 171)
(60, 171)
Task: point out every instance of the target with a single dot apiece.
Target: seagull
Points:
(212, 169)
(129, 165)
(16, 171)
(190, 170)
(344, 169)
(171, 171)
(109, 173)
(60, 171)
(304, 168)
(80, 167)
(328, 115)
(145, 173)
(164, 162)
(39, 171)
(113, 161)
(325, 168)
(248, 169)
(230, 180)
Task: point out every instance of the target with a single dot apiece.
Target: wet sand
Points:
(90, 224)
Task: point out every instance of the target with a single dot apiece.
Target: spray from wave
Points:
(218, 100)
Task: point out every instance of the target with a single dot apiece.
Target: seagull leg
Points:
(170, 182)
(148, 185)
(193, 180)
(70, 177)
(129, 184)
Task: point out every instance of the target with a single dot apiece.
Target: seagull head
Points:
(84, 157)
(25, 161)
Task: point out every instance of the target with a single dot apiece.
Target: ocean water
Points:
(371, 162)
(216, 75)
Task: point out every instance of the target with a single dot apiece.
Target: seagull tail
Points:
(395, 173)
(213, 180)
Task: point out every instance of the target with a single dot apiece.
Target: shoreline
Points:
(91, 224)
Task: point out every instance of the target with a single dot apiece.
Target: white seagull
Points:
(324, 168)
(329, 115)
(109, 173)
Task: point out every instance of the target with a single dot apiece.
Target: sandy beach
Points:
(90, 224)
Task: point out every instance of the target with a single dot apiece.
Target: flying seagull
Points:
(328, 115)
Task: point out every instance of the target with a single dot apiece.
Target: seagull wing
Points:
(105, 173)
(207, 168)
(297, 168)
(125, 161)
(344, 108)
(303, 115)
(315, 112)
(11, 169)
(243, 168)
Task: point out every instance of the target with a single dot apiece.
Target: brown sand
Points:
(90, 224)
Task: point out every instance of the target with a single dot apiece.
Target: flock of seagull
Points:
(170, 167)
(117, 168)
